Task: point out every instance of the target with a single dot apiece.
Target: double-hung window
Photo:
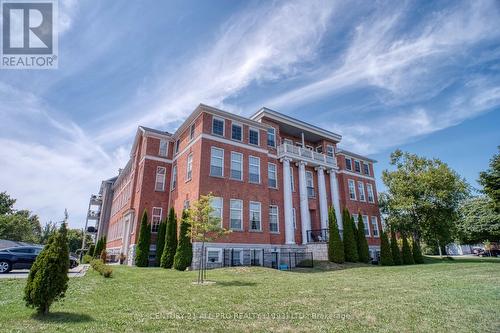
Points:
(310, 184)
(369, 189)
(352, 189)
(348, 164)
(156, 219)
(255, 216)
(160, 179)
(218, 126)
(177, 145)
(253, 136)
(271, 175)
(273, 219)
(191, 131)
(236, 166)
(367, 227)
(189, 167)
(253, 169)
(292, 180)
(173, 183)
(236, 132)
(236, 214)
(163, 148)
(374, 226)
(366, 169)
(271, 137)
(361, 191)
(330, 151)
(217, 204)
(357, 166)
(217, 162)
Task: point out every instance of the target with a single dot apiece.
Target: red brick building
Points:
(273, 178)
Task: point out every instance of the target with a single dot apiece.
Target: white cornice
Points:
(356, 174)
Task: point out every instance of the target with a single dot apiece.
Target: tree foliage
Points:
(350, 247)
(490, 180)
(6, 204)
(406, 253)
(160, 240)
(417, 252)
(75, 238)
(48, 278)
(478, 221)
(204, 227)
(396, 254)
(167, 259)
(385, 251)
(17, 225)
(423, 197)
(184, 254)
(363, 252)
(335, 245)
(142, 252)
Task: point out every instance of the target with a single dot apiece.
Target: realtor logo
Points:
(29, 37)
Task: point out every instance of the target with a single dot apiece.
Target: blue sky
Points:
(421, 76)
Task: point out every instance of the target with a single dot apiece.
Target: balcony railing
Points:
(305, 154)
(317, 236)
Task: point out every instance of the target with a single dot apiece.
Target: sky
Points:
(421, 76)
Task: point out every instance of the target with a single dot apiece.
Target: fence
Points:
(265, 258)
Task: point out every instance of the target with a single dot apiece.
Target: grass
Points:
(447, 295)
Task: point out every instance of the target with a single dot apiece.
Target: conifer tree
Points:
(167, 259)
(417, 252)
(184, 253)
(335, 246)
(98, 248)
(142, 253)
(48, 278)
(363, 252)
(396, 254)
(160, 241)
(350, 250)
(385, 251)
(91, 250)
(407, 256)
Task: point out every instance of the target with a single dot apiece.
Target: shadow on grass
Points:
(468, 260)
(63, 317)
(326, 266)
(235, 283)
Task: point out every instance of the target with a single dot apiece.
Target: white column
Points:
(334, 188)
(305, 218)
(287, 193)
(323, 205)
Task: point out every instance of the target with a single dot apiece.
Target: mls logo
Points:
(29, 37)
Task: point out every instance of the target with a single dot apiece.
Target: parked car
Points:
(22, 257)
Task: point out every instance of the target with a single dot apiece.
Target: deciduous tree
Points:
(490, 180)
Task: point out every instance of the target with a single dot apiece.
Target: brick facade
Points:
(136, 188)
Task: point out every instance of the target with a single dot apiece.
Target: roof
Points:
(283, 118)
(361, 157)
(152, 130)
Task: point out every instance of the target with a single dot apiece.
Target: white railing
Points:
(305, 154)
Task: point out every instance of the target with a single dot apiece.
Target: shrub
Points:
(350, 248)
(417, 252)
(385, 251)
(101, 268)
(142, 255)
(184, 254)
(160, 241)
(48, 278)
(86, 259)
(167, 259)
(396, 254)
(335, 246)
(363, 252)
(407, 256)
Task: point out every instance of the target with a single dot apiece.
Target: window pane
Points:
(236, 132)
(253, 137)
(254, 169)
(348, 164)
(216, 162)
(271, 174)
(236, 214)
(367, 227)
(361, 190)
(271, 137)
(255, 216)
(163, 148)
(236, 166)
(352, 190)
(273, 218)
(374, 226)
(218, 126)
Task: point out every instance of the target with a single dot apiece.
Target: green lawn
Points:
(458, 296)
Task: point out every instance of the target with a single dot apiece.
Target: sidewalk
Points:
(78, 271)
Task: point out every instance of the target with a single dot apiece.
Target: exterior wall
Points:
(107, 200)
(140, 175)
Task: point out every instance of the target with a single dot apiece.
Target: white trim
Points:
(275, 175)
(250, 216)
(249, 165)
(156, 158)
(159, 148)
(173, 180)
(367, 226)
(272, 156)
(362, 195)
(233, 142)
(355, 174)
(241, 214)
(152, 217)
(376, 224)
(192, 131)
(275, 137)
(221, 209)
(223, 125)
(213, 249)
(277, 219)
(189, 167)
(349, 189)
(164, 178)
(369, 185)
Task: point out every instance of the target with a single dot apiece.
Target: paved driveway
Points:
(23, 273)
